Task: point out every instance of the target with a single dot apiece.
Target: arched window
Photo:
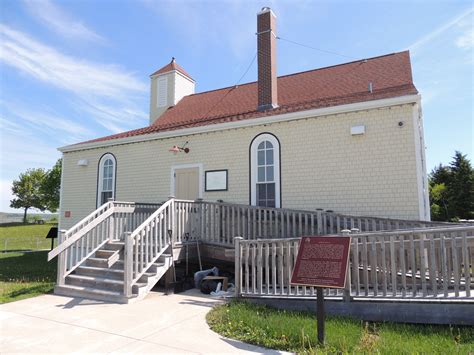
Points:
(265, 171)
(106, 179)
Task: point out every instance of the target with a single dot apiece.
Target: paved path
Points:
(158, 324)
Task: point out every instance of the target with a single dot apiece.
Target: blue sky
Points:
(75, 70)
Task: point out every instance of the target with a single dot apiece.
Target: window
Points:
(265, 171)
(106, 179)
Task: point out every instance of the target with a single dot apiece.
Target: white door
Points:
(187, 183)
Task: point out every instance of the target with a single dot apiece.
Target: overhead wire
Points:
(314, 48)
(350, 71)
(233, 87)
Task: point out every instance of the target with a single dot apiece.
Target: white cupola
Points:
(168, 86)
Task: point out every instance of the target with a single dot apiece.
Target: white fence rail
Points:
(424, 263)
(146, 244)
(428, 261)
(220, 223)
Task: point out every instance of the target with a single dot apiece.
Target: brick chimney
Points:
(267, 75)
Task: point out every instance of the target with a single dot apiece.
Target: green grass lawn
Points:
(18, 236)
(25, 274)
(296, 332)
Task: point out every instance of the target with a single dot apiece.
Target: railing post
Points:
(238, 268)
(199, 219)
(320, 227)
(128, 265)
(347, 289)
(111, 221)
(62, 261)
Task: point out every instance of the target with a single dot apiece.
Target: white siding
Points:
(322, 165)
(182, 87)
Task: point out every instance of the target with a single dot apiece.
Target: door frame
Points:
(187, 166)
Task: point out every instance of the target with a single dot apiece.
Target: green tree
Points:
(439, 202)
(27, 191)
(51, 186)
(461, 186)
(452, 190)
(440, 175)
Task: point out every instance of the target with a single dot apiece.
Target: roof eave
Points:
(171, 71)
(331, 110)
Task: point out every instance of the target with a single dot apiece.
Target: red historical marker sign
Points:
(322, 262)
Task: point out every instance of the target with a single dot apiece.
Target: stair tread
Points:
(96, 268)
(93, 290)
(100, 279)
(106, 251)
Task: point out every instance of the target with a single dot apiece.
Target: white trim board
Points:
(359, 106)
(200, 166)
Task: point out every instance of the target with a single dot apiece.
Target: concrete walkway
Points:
(158, 324)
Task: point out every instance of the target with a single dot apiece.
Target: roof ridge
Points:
(299, 103)
(302, 91)
(301, 72)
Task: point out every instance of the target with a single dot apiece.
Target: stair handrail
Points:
(77, 231)
(157, 244)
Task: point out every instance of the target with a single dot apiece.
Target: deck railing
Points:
(110, 221)
(424, 263)
(147, 243)
(145, 228)
(220, 223)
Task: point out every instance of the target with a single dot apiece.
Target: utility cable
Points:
(233, 87)
(314, 48)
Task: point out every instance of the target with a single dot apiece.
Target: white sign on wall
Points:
(216, 180)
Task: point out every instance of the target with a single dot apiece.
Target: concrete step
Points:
(109, 273)
(100, 283)
(92, 293)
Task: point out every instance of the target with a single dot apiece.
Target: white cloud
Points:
(48, 65)
(6, 196)
(466, 40)
(21, 152)
(10, 126)
(426, 39)
(60, 22)
(43, 121)
(107, 93)
(205, 27)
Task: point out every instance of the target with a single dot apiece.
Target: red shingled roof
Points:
(172, 66)
(331, 86)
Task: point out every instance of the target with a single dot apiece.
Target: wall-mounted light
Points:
(83, 162)
(175, 149)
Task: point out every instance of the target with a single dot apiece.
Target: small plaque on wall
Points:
(216, 180)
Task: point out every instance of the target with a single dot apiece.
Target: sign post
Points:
(322, 262)
(321, 315)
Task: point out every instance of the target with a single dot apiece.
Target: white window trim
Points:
(103, 159)
(186, 166)
(253, 167)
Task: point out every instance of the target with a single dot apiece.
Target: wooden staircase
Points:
(101, 276)
(117, 253)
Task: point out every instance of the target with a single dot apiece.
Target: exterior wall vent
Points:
(357, 130)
